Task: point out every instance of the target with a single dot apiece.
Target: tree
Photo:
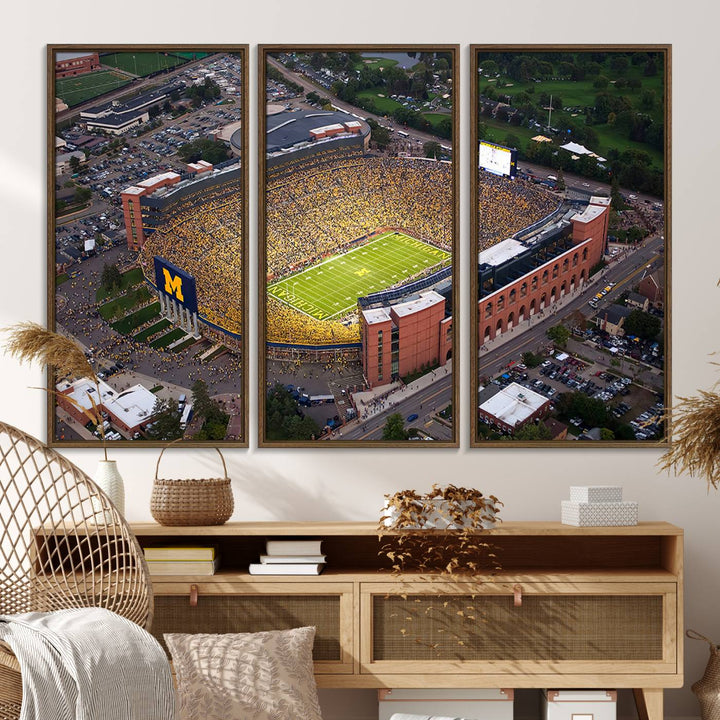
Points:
(395, 428)
(110, 277)
(378, 134)
(203, 404)
(606, 434)
(533, 432)
(75, 163)
(204, 149)
(642, 324)
(531, 359)
(560, 184)
(82, 195)
(165, 421)
(432, 149)
(283, 419)
(616, 199)
(559, 334)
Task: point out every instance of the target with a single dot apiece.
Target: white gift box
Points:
(475, 704)
(597, 514)
(596, 493)
(579, 705)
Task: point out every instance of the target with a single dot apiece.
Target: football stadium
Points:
(343, 225)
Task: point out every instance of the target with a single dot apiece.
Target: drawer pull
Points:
(193, 595)
(517, 594)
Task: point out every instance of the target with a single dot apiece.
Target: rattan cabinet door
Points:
(237, 607)
(560, 628)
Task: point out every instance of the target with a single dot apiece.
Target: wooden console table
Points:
(572, 607)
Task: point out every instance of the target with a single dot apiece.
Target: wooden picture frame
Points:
(332, 187)
(565, 236)
(141, 271)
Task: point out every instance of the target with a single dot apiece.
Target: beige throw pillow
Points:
(246, 676)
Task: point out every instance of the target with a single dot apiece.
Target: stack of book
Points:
(177, 560)
(290, 557)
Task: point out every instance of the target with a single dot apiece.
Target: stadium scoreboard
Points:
(177, 284)
(498, 159)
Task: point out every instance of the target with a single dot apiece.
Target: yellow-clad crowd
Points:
(204, 238)
(329, 202)
(506, 207)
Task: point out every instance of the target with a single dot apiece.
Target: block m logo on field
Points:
(173, 284)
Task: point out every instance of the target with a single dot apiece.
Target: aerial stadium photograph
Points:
(358, 225)
(147, 243)
(570, 228)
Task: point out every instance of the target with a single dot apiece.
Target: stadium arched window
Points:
(534, 284)
(585, 254)
(488, 310)
(565, 265)
(575, 259)
(544, 277)
(556, 270)
(513, 297)
(523, 290)
(501, 302)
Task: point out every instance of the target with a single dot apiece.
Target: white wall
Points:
(340, 484)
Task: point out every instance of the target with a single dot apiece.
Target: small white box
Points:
(579, 705)
(475, 704)
(596, 514)
(596, 493)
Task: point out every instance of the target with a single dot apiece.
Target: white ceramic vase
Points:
(109, 480)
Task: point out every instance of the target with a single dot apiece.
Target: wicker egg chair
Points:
(62, 545)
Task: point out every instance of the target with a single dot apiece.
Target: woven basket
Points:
(206, 501)
(707, 688)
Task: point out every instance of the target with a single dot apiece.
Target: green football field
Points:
(142, 63)
(332, 288)
(74, 90)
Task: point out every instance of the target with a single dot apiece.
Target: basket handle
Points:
(694, 635)
(157, 466)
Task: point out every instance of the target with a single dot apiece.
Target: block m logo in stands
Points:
(173, 284)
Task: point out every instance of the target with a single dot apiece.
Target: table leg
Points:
(649, 702)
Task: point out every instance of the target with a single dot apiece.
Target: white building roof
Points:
(376, 315)
(352, 124)
(426, 300)
(513, 404)
(589, 213)
(600, 200)
(149, 182)
(133, 406)
(134, 190)
(501, 252)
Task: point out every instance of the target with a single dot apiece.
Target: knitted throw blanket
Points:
(88, 664)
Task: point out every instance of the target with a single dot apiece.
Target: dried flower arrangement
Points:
(696, 442)
(696, 436)
(30, 342)
(439, 532)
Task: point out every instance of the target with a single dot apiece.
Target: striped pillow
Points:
(246, 676)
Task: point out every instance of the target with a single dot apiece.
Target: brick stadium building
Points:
(519, 278)
(402, 337)
(132, 205)
(70, 64)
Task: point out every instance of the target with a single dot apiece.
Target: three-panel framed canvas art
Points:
(361, 296)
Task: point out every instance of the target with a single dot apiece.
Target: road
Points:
(624, 272)
(309, 86)
(424, 403)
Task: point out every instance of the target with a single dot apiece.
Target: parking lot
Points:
(626, 401)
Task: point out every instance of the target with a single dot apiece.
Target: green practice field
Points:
(75, 90)
(332, 288)
(142, 63)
